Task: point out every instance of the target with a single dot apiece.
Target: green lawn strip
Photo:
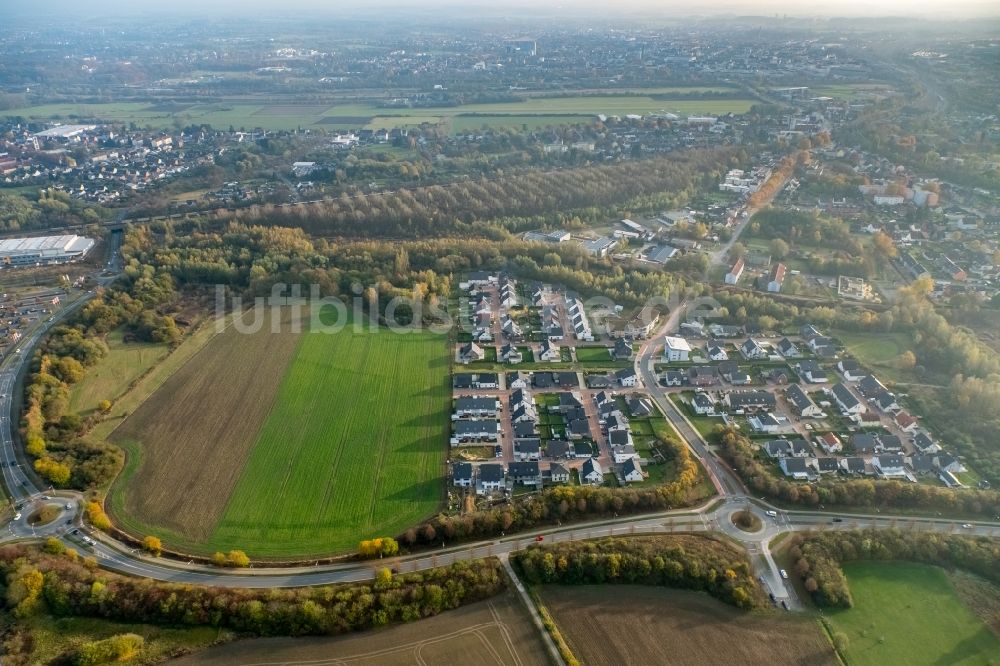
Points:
(909, 614)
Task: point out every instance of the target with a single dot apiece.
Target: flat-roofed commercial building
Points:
(44, 250)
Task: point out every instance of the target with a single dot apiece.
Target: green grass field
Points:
(910, 614)
(354, 446)
(109, 379)
(879, 350)
(533, 111)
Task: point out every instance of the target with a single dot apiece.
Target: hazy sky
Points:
(940, 8)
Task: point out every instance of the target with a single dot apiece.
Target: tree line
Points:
(818, 557)
(687, 562)
(868, 493)
(65, 585)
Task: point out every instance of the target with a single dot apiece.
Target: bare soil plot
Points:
(195, 432)
(651, 625)
(496, 631)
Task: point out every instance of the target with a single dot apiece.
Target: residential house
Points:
(796, 468)
(478, 279)
(848, 403)
(889, 466)
(850, 369)
(675, 349)
(462, 381)
(511, 329)
(673, 378)
(702, 375)
(632, 471)
(529, 448)
(827, 465)
(518, 380)
(921, 464)
(802, 403)
(945, 462)
(753, 350)
(638, 406)
(462, 474)
(777, 448)
(744, 401)
(582, 449)
(925, 444)
(566, 379)
(885, 401)
(889, 443)
(905, 422)
(622, 351)
(511, 354)
(731, 372)
(486, 380)
(864, 443)
(777, 278)
(526, 473)
(716, 352)
(578, 429)
(868, 418)
(475, 430)
(467, 406)
(853, 466)
(491, 478)
(788, 349)
(736, 271)
(812, 372)
(558, 473)
(549, 352)
(702, 404)
(869, 386)
(568, 402)
(809, 331)
(591, 472)
(765, 422)
(525, 428)
(557, 448)
(470, 352)
(627, 377)
(598, 381)
(829, 442)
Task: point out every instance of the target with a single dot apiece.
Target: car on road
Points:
(17, 516)
(784, 574)
(539, 538)
(837, 520)
(967, 526)
(69, 505)
(784, 604)
(45, 497)
(773, 514)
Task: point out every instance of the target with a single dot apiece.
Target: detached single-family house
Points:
(632, 471)
(675, 349)
(702, 375)
(461, 474)
(869, 386)
(627, 377)
(788, 349)
(777, 448)
(558, 448)
(889, 466)
(925, 444)
(716, 352)
(827, 465)
(765, 422)
(471, 352)
(731, 372)
(905, 421)
(486, 380)
(846, 400)
(829, 442)
(529, 448)
(491, 478)
(702, 404)
(549, 351)
(777, 278)
(851, 370)
(591, 472)
(889, 443)
(802, 403)
(812, 372)
(946, 462)
(622, 351)
(854, 466)
(558, 473)
(525, 473)
(753, 350)
(736, 271)
(885, 401)
(864, 443)
(673, 378)
(638, 406)
(518, 380)
(796, 468)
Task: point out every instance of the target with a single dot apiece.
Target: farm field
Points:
(354, 446)
(910, 614)
(625, 624)
(209, 411)
(495, 631)
(109, 379)
(278, 116)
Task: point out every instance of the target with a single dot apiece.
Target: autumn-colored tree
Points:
(152, 545)
(104, 406)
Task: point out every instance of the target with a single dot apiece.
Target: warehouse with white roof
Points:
(44, 250)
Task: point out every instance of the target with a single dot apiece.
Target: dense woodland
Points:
(688, 562)
(818, 557)
(867, 493)
(61, 584)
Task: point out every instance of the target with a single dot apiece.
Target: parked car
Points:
(784, 574)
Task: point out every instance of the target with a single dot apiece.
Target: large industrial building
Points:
(43, 250)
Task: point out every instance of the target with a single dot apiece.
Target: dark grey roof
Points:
(523, 469)
(491, 472)
(525, 429)
(827, 464)
(528, 445)
(863, 441)
(844, 396)
(556, 448)
(799, 398)
(854, 464)
(461, 470)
